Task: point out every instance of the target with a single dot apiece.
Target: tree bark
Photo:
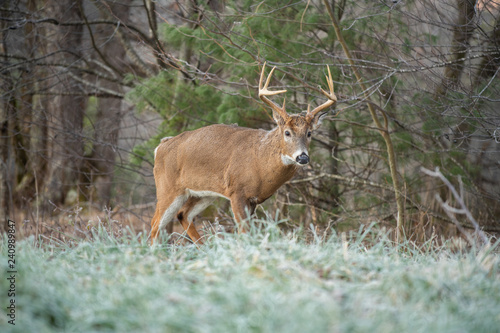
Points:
(490, 63)
(462, 33)
(101, 162)
(64, 112)
(7, 119)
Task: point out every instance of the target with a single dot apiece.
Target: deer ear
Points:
(317, 120)
(278, 118)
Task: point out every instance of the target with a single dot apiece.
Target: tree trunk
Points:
(101, 162)
(463, 31)
(65, 111)
(490, 63)
(7, 118)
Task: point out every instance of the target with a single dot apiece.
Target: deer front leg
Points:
(241, 207)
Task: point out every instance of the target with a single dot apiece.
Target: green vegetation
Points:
(263, 281)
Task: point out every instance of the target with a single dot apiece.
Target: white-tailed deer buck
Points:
(241, 164)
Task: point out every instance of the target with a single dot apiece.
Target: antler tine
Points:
(263, 92)
(331, 96)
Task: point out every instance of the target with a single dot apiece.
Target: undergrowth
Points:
(262, 281)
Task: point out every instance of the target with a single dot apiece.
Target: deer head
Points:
(296, 130)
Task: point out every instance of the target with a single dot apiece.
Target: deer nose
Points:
(302, 158)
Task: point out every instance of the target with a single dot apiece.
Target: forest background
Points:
(88, 89)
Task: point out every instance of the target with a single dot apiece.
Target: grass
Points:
(264, 281)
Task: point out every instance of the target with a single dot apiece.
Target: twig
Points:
(463, 210)
(348, 181)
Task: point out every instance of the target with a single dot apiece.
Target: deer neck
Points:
(272, 151)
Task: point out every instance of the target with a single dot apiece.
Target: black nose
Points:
(302, 158)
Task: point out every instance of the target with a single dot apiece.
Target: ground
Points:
(263, 281)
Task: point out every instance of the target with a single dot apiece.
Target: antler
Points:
(331, 97)
(263, 92)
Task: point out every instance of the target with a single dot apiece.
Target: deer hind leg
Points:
(164, 214)
(191, 208)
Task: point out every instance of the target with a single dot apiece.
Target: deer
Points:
(243, 165)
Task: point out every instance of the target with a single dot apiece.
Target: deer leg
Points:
(241, 208)
(155, 222)
(188, 212)
(164, 214)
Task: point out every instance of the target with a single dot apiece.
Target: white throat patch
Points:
(287, 160)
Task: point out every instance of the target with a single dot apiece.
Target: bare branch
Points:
(460, 200)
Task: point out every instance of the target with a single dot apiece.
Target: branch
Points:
(22, 22)
(98, 89)
(463, 210)
(97, 49)
(7, 66)
(36, 62)
(87, 94)
(348, 181)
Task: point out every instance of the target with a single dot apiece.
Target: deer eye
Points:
(287, 133)
(309, 134)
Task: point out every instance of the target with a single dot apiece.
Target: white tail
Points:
(241, 164)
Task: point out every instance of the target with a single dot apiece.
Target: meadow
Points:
(266, 280)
